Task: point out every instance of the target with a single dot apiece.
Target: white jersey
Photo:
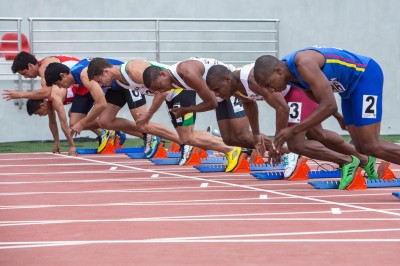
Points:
(244, 78)
(141, 88)
(207, 62)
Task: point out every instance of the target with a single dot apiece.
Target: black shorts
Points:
(82, 103)
(184, 99)
(230, 109)
(123, 96)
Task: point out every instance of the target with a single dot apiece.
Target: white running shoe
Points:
(186, 151)
(289, 163)
(148, 138)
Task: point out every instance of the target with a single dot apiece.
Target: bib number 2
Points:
(369, 106)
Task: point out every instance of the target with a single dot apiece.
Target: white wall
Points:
(367, 27)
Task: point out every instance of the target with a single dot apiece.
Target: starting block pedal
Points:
(174, 147)
(312, 174)
(136, 155)
(384, 172)
(165, 161)
(396, 194)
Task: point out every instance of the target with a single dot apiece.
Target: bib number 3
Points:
(295, 112)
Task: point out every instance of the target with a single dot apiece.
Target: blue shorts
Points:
(364, 107)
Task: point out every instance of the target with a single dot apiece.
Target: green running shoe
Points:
(348, 172)
(369, 168)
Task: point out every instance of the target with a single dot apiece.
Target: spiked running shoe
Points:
(103, 139)
(289, 163)
(186, 152)
(155, 142)
(233, 159)
(147, 143)
(369, 168)
(348, 172)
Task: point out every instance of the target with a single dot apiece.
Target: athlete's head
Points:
(157, 79)
(99, 71)
(219, 80)
(58, 74)
(37, 107)
(269, 73)
(26, 65)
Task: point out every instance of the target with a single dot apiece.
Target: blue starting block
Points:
(396, 194)
(171, 154)
(269, 175)
(123, 150)
(214, 160)
(137, 155)
(370, 183)
(210, 168)
(311, 174)
(265, 167)
(165, 161)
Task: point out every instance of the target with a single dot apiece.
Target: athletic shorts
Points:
(364, 107)
(184, 99)
(82, 103)
(230, 109)
(121, 97)
(301, 106)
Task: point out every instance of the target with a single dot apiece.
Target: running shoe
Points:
(289, 163)
(147, 138)
(348, 172)
(155, 142)
(103, 139)
(122, 137)
(369, 168)
(186, 152)
(233, 159)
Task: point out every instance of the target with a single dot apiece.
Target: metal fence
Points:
(10, 25)
(233, 41)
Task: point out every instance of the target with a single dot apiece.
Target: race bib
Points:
(295, 112)
(369, 106)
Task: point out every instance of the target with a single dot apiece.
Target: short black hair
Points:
(217, 72)
(33, 105)
(53, 71)
(264, 66)
(150, 74)
(97, 66)
(22, 60)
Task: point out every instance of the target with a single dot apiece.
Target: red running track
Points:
(113, 210)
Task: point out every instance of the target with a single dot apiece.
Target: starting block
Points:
(171, 154)
(174, 147)
(136, 155)
(122, 150)
(214, 160)
(242, 167)
(165, 161)
(396, 194)
(384, 172)
(359, 182)
(309, 175)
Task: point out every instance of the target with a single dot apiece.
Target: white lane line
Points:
(241, 186)
(263, 196)
(113, 168)
(154, 175)
(336, 211)
(204, 185)
(378, 230)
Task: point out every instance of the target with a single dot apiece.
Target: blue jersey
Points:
(76, 71)
(342, 68)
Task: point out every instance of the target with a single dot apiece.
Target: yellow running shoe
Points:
(104, 138)
(233, 159)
